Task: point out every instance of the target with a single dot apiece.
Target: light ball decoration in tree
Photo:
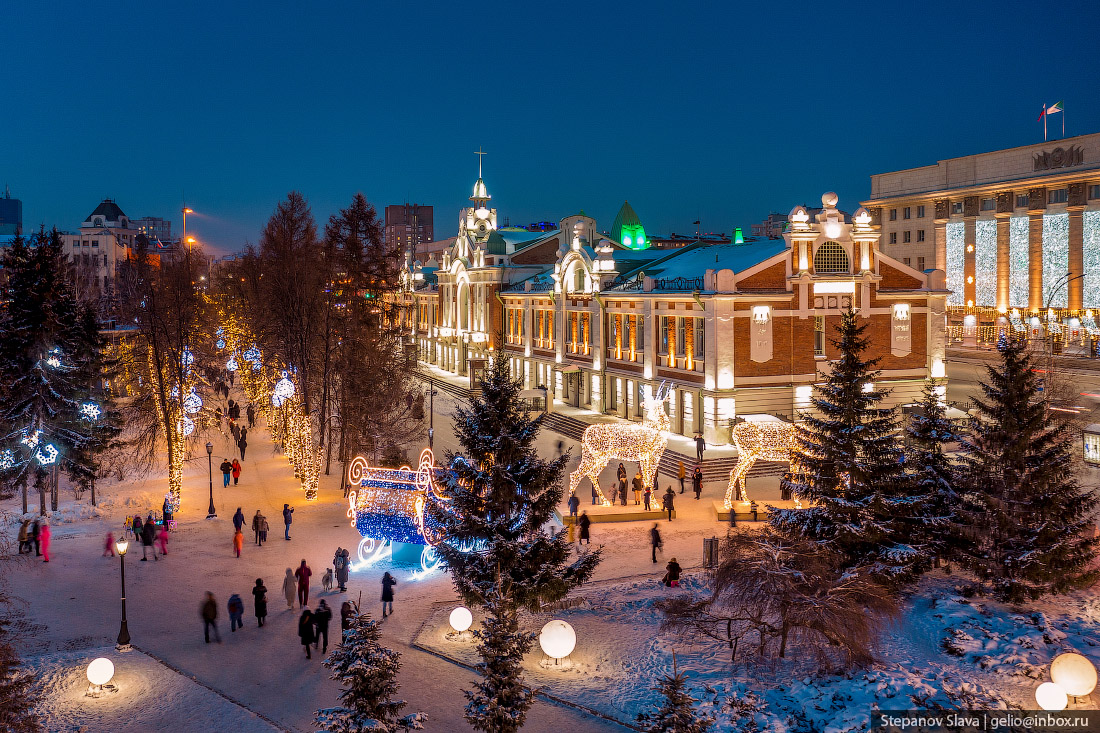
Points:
(757, 441)
(192, 403)
(557, 639)
(461, 619)
(100, 671)
(187, 358)
(253, 355)
(231, 365)
(186, 426)
(1074, 673)
(220, 343)
(1051, 696)
(284, 390)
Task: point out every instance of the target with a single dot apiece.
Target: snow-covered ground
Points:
(67, 612)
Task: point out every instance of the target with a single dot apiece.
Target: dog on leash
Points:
(326, 579)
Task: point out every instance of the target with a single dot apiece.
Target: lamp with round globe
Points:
(99, 673)
(558, 640)
(1074, 673)
(460, 620)
(1051, 697)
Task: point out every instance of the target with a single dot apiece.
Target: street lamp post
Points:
(211, 513)
(123, 633)
(186, 211)
(431, 414)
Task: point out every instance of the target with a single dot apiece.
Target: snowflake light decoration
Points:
(757, 441)
(220, 344)
(188, 358)
(53, 361)
(7, 459)
(90, 411)
(47, 454)
(31, 439)
(232, 365)
(642, 443)
(186, 426)
(284, 390)
(192, 403)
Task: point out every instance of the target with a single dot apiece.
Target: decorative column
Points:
(1003, 266)
(1036, 205)
(943, 213)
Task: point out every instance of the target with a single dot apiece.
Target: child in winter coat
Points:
(238, 541)
(108, 548)
(162, 539)
(264, 526)
(672, 574)
(44, 538)
(236, 612)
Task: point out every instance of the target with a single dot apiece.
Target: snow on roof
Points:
(695, 261)
(521, 237)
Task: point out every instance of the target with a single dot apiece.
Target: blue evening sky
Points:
(721, 112)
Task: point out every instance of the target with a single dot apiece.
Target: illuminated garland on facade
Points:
(1055, 260)
(1018, 258)
(1090, 246)
(985, 262)
(626, 442)
(955, 262)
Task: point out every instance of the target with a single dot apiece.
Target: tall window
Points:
(662, 323)
(680, 336)
(831, 257)
(700, 339)
(819, 335)
(920, 212)
(640, 333)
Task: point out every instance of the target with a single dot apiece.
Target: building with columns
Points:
(1012, 229)
(736, 329)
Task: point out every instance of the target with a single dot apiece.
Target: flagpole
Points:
(1044, 124)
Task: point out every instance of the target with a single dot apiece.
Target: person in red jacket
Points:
(236, 471)
(302, 574)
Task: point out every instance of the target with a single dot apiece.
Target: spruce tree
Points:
(17, 693)
(368, 672)
(500, 701)
(1030, 520)
(676, 714)
(929, 431)
(850, 469)
(498, 494)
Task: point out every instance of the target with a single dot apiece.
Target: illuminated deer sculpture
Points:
(627, 442)
(758, 441)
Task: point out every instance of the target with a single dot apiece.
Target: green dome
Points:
(628, 230)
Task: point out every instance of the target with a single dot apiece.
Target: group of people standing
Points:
(35, 532)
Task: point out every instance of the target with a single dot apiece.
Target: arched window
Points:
(831, 257)
(578, 279)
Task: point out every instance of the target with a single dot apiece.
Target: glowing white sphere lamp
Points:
(558, 639)
(833, 229)
(100, 671)
(461, 619)
(1051, 697)
(1074, 673)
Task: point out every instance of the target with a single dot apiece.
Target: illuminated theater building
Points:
(734, 329)
(1016, 231)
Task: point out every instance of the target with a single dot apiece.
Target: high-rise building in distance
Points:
(408, 225)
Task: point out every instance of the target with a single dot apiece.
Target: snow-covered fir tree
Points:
(368, 673)
(49, 367)
(1031, 521)
(499, 701)
(929, 432)
(849, 467)
(498, 495)
(17, 692)
(676, 713)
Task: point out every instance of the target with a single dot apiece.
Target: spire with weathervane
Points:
(479, 221)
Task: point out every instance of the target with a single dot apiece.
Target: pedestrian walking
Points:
(682, 474)
(148, 536)
(343, 573)
(137, 527)
(655, 540)
(238, 542)
(226, 469)
(234, 410)
(251, 413)
(754, 509)
(585, 522)
(646, 496)
(290, 587)
(166, 513)
(25, 541)
(287, 518)
(338, 566)
(234, 430)
(700, 446)
(672, 574)
(621, 474)
(259, 593)
(236, 471)
(305, 630)
(108, 547)
(44, 539)
(236, 612)
(302, 574)
(595, 494)
(264, 527)
(238, 519)
(388, 582)
(574, 504)
(669, 502)
(36, 538)
(697, 481)
(209, 611)
(256, 520)
(162, 539)
(242, 444)
(321, 618)
(636, 483)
